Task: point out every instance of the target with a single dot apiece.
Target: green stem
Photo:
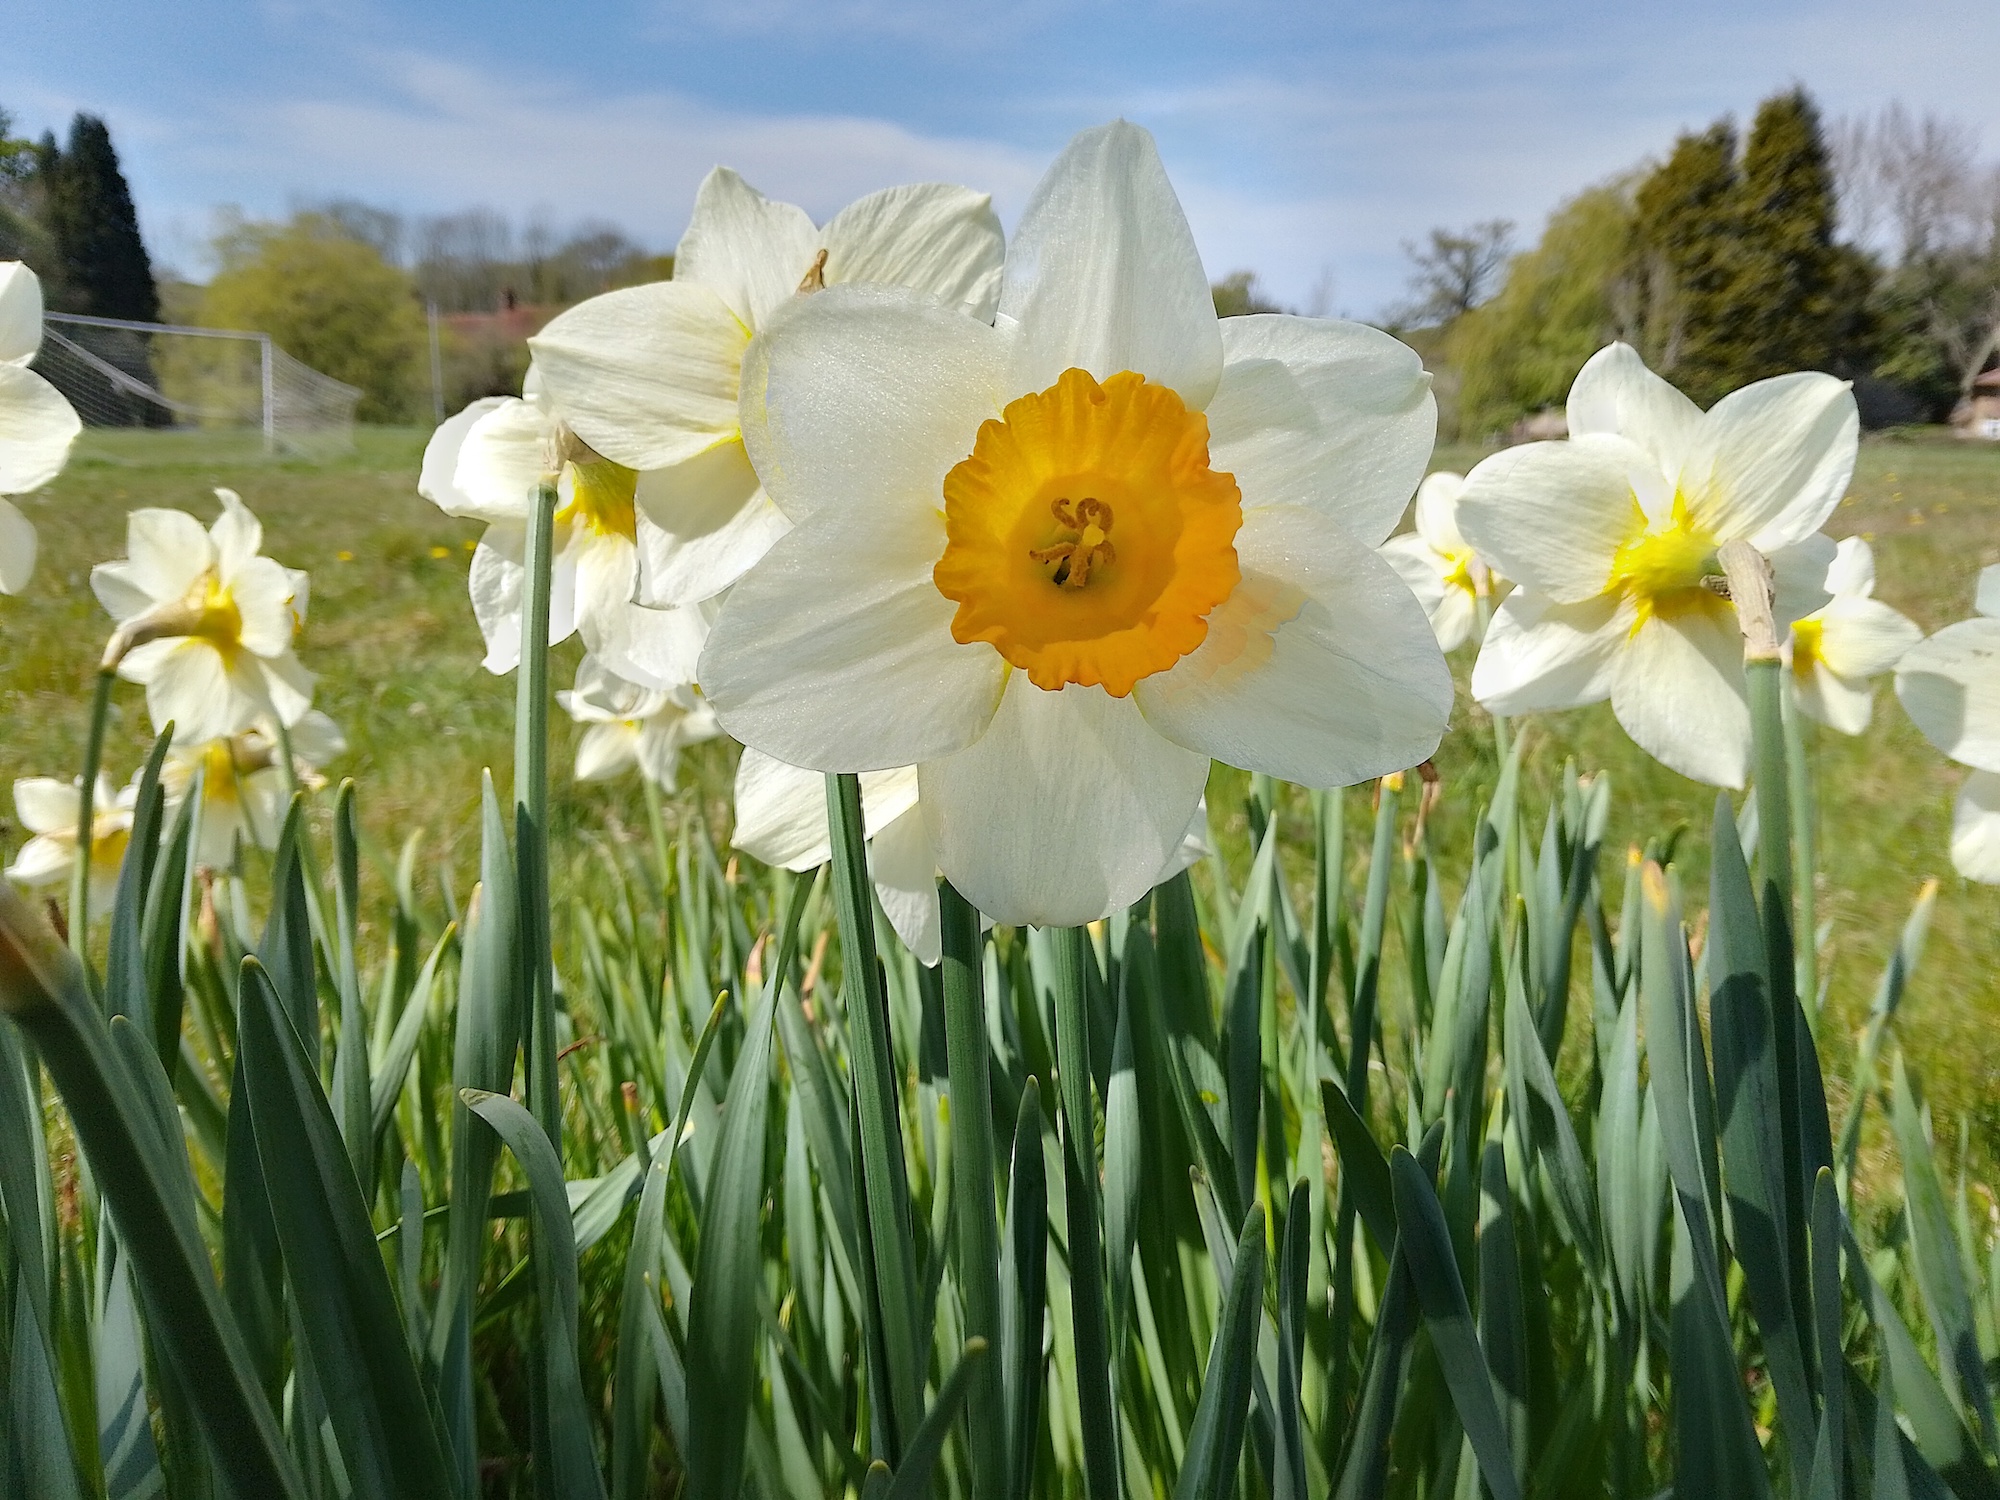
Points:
(656, 820)
(86, 816)
(1774, 807)
(531, 813)
(1805, 829)
(885, 1179)
(1088, 1309)
(973, 1195)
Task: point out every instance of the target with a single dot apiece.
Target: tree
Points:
(1560, 303)
(104, 268)
(1686, 235)
(1792, 291)
(1238, 294)
(327, 299)
(1455, 272)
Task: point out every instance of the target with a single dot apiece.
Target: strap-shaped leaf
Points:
(1215, 1441)
(913, 1479)
(1023, 1294)
(374, 1397)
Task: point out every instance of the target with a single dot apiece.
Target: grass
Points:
(394, 642)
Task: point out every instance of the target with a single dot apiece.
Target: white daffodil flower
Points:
(1611, 535)
(1444, 573)
(1836, 651)
(648, 376)
(37, 425)
(781, 820)
(48, 809)
(633, 726)
(243, 783)
(205, 623)
(484, 465)
(1950, 687)
(1058, 563)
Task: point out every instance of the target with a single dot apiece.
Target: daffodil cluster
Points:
(1950, 687)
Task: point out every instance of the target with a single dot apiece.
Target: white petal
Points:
(904, 866)
(285, 683)
(657, 648)
(1194, 845)
(262, 592)
(835, 652)
(20, 313)
(1437, 510)
(166, 551)
(496, 583)
(1103, 274)
(660, 743)
(605, 750)
(1615, 393)
(237, 535)
(1842, 703)
(601, 696)
(316, 739)
(1320, 669)
(701, 525)
(192, 687)
(647, 375)
(1334, 416)
(1542, 655)
(1987, 598)
(1950, 687)
(18, 545)
(503, 458)
(1067, 808)
(751, 250)
(1771, 461)
(1420, 567)
(37, 427)
(1553, 515)
(780, 812)
(929, 236)
(1680, 694)
(1455, 619)
(1865, 637)
(46, 805)
(857, 396)
(1853, 568)
(1975, 828)
(437, 482)
(1798, 578)
(45, 861)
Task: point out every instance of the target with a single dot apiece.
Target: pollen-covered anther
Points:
(1090, 548)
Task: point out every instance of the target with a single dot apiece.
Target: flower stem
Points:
(531, 813)
(86, 817)
(1805, 831)
(656, 822)
(973, 1198)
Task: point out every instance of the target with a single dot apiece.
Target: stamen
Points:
(1090, 518)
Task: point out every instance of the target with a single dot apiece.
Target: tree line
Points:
(1871, 251)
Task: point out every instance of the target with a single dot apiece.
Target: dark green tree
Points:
(1689, 241)
(104, 268)
(1792, 290)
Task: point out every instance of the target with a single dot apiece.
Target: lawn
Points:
(392, 637)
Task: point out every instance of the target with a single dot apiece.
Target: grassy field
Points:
(394, 642)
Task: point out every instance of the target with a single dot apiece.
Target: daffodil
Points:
(1837, 651)
(781, 820)
(37, 425)
(1058, 563)
(49, 809)
(1950, 687)
(1444, 573)
(1612, 538)
(205, 622)
(485, 464)
(243, 782)
(632, 726)
(648, 376)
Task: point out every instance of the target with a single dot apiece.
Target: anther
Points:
(815, 278)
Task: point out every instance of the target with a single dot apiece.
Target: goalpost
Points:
(165, 376)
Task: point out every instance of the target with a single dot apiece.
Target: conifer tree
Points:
(1688, 234)
(103, 261)
(1788, 299)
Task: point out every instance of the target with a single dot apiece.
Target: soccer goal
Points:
(164, 377)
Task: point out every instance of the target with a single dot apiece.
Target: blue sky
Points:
(1308, 141)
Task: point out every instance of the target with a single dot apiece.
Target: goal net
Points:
(166, 378)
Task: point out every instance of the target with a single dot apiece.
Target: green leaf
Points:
(386, 1082)
(572, 1463)
(1427, 1250)
(374, 1397)
(1294, 1267)
(1503, 1317)
(42, 988)
(1215, 1441)
(913, 1479)
(1364, 1171)
(1828, 1479)
(350, 1067)
(1023, 1294)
